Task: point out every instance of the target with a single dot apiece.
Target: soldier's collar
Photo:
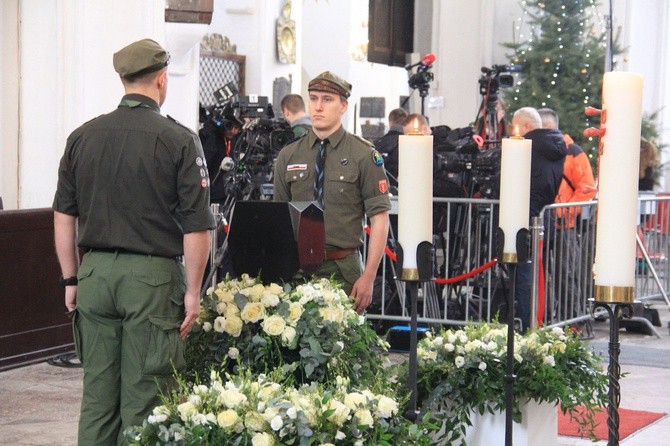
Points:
(334, 138)
(138, 100)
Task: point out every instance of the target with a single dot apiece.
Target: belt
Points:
(337, 254)
(125, 251)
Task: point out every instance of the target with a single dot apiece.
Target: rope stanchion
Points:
(467, 275)
(442, 281)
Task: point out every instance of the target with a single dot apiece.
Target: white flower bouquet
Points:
(243, 410)
(311, 331)
(463, 371)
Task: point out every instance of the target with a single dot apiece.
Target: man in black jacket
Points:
(546, 171)
(387, 145)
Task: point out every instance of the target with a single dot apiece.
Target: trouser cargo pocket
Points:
(76, 332)
(165, 348)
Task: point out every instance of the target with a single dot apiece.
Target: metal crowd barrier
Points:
(466, 245)
(563, 252)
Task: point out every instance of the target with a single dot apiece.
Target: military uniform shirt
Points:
(355, 183)
(136, 180)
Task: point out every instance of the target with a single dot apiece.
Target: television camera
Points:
(247, 170)
(460, 158)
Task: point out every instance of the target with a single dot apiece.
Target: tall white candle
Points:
(514, 192)
(415, 197)
(619, 158)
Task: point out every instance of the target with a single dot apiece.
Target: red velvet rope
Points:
(391, 255)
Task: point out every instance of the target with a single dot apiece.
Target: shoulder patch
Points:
(377, 158)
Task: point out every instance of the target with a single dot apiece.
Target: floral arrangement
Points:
(463, 371)
(262, 412)
(310, 331)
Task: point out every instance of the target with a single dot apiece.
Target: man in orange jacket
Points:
(577, 185)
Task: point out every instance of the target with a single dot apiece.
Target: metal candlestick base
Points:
(614, 370)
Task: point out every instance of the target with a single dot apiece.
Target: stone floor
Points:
(39, 404)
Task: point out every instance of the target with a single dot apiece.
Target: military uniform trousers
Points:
(346, 270)
(126, 331)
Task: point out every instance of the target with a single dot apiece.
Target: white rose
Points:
(199, 419)
(254, 421)
(482, 366)
(231, 310)
(231, 398)
(549, 360)
(292, 413)
(340, 412)
(207, 327)
(288, 336)
(234, 326)
(295, 311)
(340, 435)
(364, 417)
(224, 295)
(459, 361)
(254, 293)
(269, 299)
(233, 353)
(253, 312)
(262, 439)
(219, 323)
(186, 410)
(354, 400)
(386, 407)
(274, 325)
(274, 288)
(276, 423)
(267, 391)
(560, 347)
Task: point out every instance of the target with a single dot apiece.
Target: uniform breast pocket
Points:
(342, 187)
(301, 184)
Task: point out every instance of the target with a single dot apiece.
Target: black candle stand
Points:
(615, 313)
(523, 256)
(411, 278)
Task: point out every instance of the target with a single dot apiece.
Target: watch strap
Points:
(67, 282)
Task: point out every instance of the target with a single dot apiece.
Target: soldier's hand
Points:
(192, 308)
(362, 293)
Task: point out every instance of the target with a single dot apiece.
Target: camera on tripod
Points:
(247, 169)
(459, 156)
(498, 76)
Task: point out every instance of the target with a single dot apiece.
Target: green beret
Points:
(140, 58)
(330, 83)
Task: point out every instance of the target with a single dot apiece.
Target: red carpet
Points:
(629, 421)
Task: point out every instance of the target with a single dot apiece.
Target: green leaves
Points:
(463, 371)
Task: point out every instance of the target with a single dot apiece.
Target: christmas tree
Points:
(562, 59)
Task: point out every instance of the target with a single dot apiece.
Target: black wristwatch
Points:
(67, 282)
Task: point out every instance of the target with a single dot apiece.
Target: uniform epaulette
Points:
(179, 123)
(92, 119)
(364, 141)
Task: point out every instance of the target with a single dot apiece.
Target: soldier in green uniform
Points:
(346, 175)
(133, 196)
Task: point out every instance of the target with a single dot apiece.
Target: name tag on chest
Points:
(293, 167)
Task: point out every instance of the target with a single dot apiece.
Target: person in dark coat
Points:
(387, 145)
(546, 172)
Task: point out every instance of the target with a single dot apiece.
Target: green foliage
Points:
(463, 371)
(243, 410)
(563, 62)
(310, 331)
